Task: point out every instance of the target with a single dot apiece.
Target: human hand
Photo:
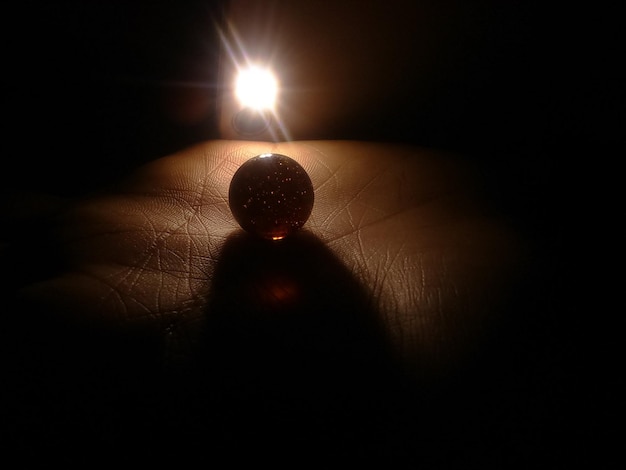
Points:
(405, 224)
(154, 305)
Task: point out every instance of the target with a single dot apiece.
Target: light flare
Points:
(256, 88)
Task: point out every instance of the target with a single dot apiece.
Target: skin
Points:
(405, 225)
(146, 310)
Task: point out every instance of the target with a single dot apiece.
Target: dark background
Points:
(99, 84)
(91, 90)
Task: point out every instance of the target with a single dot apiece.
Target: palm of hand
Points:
(403, 223)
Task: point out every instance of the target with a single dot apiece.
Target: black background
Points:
(87, 93)
(93, 83)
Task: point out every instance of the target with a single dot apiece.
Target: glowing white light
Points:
(256, 88)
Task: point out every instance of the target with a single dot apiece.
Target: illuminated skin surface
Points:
(403, 222)
(271, 196)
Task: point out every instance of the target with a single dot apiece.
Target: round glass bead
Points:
(271, 196)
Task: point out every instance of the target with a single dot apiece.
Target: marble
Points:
(271, 196)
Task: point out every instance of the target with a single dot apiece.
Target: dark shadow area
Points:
(289, 359)
(291, 355)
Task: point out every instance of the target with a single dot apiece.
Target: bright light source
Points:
(256, 88)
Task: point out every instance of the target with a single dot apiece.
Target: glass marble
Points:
(271, 196)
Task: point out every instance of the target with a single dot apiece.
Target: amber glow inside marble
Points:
(271, 196)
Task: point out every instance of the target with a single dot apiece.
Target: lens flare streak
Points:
(256, 87)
